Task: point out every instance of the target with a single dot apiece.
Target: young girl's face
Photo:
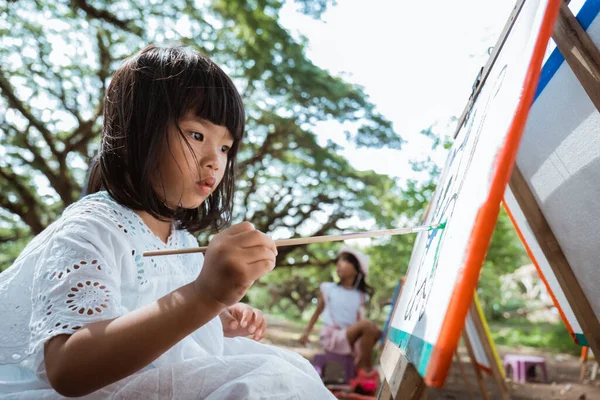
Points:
(190, 173)
(345, 269)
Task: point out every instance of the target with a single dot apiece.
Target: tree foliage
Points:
(59, 56)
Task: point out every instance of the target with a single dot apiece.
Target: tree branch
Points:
(81, 136)
(60, 183)
(106, 16)
(14, 102)
(262, 151)
(26, 207)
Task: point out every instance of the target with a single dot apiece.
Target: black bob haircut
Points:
(147, 96)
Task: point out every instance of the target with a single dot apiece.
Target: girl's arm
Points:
(313, 319)
(106, 351)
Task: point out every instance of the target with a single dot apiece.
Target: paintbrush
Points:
(313, 239)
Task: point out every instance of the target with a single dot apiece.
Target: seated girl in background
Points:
(345, 329)
(83, 313)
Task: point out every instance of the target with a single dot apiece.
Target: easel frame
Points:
(584, 360)
(400, 378)
(482, 333)
(485, 71)
(394, 365)
(478, 375)
(584, 59)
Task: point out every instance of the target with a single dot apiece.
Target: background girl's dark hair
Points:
(147, 96)
(362, 283)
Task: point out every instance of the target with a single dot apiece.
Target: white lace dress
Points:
(87, 267)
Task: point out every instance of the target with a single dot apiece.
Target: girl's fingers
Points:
(247, 315)
(247, 239)
(259, 268)
(239, 228)
(230, 321)
(260, 332)
(257, 322)
(258, 253)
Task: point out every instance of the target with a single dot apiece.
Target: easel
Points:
(478, 374)
(584, 360)
(432, 354)
(584, 59)
(491, 356)
(394, 364)
(460, 365)
(401, 380)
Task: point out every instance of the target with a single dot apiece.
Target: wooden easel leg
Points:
(583, 370)
(401, 380)
(556, 258)
(583, 362)
(480, 380)
(464, 375)
(384, 391)
(485, 339)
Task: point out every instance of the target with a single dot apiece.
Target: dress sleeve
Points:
(77, 281)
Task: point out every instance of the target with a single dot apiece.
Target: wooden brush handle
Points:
(307, 240)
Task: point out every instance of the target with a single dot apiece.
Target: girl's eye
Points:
(225, 149)
(197, 136)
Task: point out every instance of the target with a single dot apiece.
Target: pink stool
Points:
(521, 365)
(331, 360)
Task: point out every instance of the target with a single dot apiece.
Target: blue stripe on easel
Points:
(389, 318)
(586, 15)
(416, 349)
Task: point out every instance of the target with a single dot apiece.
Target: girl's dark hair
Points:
(362, 283)
(147, 96)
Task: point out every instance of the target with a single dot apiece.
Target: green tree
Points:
(58, 57)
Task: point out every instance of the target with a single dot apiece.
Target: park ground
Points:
(563, 370)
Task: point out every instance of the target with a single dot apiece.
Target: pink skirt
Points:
(334, 340)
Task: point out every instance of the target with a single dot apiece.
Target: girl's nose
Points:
(210, 158)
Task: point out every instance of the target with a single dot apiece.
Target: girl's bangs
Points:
(215, 99)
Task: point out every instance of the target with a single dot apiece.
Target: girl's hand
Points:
(242, 320)
(304, 339)
(235, 258)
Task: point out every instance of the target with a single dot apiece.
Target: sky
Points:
(417, 61)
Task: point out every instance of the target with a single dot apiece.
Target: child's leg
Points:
(244, 376)
(369, 334)
(241, 345)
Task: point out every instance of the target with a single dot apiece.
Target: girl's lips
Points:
(206, 185)
(204, 188)
(210, 181)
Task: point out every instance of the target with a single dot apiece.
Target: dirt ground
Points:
(563, 371)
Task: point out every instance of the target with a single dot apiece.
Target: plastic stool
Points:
(521, 364)
(331, 360)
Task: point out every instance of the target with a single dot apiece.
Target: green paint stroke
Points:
(581, 340)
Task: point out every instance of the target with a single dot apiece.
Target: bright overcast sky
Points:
(417, 61)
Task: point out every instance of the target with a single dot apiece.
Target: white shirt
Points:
(88, 266)
(342, 306)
